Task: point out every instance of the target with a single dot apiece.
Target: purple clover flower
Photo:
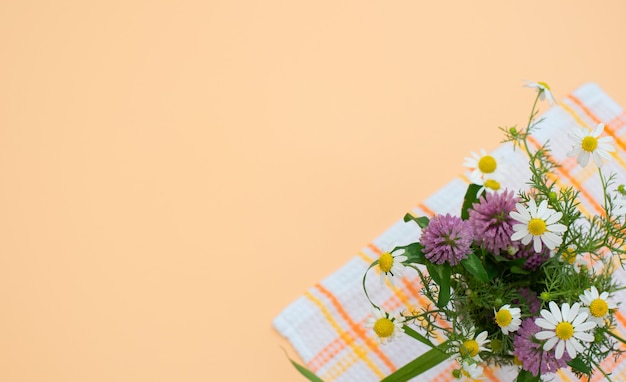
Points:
(530, 300)
(446, 239)
(533, 259)
(490, 221)
(529, 351)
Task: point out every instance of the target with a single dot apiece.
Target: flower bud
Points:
(496, 345)
(511, 250)
(552, 196)
(597, 338)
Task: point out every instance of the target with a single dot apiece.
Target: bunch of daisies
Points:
(518, 279)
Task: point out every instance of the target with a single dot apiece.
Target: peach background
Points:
(174, 173)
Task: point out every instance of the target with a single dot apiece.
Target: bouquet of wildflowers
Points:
(520, 278)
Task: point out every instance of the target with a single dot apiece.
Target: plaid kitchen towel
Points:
(327, 324)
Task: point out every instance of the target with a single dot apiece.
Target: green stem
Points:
(597, 365)
(532, 111)
(604, 185)
(616, 336)
(530, 122)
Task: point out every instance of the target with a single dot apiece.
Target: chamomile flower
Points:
(471, 371)
(483, 167)
(564, 328)
(386, 326)
(587, 145)
(543, 89)
(527, 350)
(538, 224)
(488, 185)
(470, 346)
(570, 256)
(390, 265)
(597, 305)
(508, 319)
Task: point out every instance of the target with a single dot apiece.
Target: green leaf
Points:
(425, 362)
(441, 275)
(444, 293)
(578, 364)
(414, 253)
(527, 376)
(434, 271)
(469, 199)
(422, 221)
(304, 371)
(492, 268)
(474, 266)
(412, 333)
(517, 262)
(499, 258)
(519, 270)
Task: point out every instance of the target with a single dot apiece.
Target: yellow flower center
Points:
(470, 347)
(487, 164)
(589, 144)
(503, 318)
(569, 256)
(544, 85)
(492, 184)
(598, 307)
(564, 330)
(384, 327)
(466, 373)
(385, 262)
(536, 226)
(517, 361)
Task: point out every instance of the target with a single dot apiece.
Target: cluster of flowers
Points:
(518, 280)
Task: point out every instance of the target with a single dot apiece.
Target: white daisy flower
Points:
(489, 185)
(471, 370)
(544, 91)
(565, 328)
(587, 144)
(484, 166)
(508, 319)
(390, 265)
(538, 224)
(386, 326)
(470, 346)
(597, 305)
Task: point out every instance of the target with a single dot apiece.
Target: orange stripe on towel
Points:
(415, 292)
(348, 339)
(427, 210)
(357, 329)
